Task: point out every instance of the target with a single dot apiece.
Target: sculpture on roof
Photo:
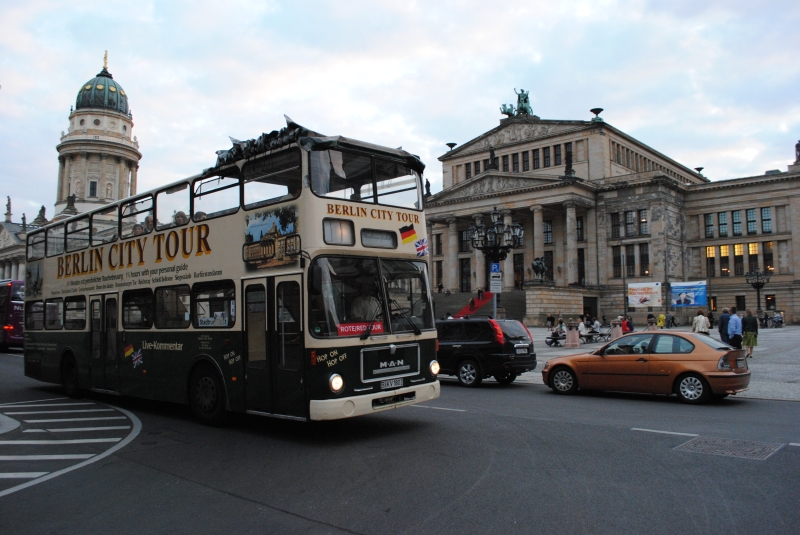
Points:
(507, 110)
(539, 267)
(797, 152)
(523, 102)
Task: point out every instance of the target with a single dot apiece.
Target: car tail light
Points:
(8, 327)
(498, 332)
(724, 364)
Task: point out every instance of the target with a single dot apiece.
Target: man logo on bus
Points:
(391, 364)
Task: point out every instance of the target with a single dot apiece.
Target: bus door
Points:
(257, 382)
(286, 344)
(104, 365)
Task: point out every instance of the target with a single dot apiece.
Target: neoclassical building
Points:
(98, 160)
(625, 213)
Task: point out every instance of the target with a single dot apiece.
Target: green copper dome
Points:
(102, 92)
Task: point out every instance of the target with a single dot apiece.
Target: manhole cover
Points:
(742, 449)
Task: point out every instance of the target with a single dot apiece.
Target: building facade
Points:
(624, 213)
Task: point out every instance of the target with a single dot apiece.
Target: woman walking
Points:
(750, 332)
(700, 324)
(662, 319)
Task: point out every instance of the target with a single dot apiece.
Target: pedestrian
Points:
(650, 316)
(596, 326)
(669, 319)
(471, 304)
(559, 317)
(630, 324)
(750, 332)
(604, 320)
(711, 318)
(700, 323)
(722, 325)
(480, 294)
(448, 316)
(735, 329)
(559, 333)
(626, 327)
(662, 319)
(550, 322)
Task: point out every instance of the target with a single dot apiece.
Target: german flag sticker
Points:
(408, 234)
(128, 350)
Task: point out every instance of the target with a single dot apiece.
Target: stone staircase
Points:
(513, 302)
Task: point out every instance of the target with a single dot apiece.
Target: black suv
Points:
(475, 348)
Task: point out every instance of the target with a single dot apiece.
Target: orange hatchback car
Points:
(695, 367)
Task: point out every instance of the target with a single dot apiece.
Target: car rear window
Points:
(514, 330)
(707, 340)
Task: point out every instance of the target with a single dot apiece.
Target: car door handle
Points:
(641, 360)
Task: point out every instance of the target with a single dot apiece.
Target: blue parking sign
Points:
(495, 267)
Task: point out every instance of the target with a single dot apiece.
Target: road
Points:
(514, 459)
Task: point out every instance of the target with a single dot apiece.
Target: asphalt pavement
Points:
(493, 459)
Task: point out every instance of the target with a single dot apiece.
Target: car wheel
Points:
(563, 381)
(469, 374)
(69, 377)
(692, 388)
(206, 396)
(505, 378)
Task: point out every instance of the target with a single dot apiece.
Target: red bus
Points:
(12, 305)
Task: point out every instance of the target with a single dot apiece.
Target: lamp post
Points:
(495, 241)
(757, 279)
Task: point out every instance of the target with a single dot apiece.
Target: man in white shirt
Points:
(582, 327)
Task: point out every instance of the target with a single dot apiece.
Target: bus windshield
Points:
(347, 295)
(357, 177)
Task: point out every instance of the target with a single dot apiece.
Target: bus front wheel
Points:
(207, 396)
(69, 377)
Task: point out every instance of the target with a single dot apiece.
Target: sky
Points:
(712, 84)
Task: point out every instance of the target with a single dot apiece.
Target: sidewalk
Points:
(775, 366)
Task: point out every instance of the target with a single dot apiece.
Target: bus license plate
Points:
(392, 383)
(522, 351)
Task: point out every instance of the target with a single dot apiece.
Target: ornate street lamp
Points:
(757, 279)
(496, 240)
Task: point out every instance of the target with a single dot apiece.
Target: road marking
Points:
(73, 429)
(22, 475)
(35, 431)
(665, 432)
(74, 419)
(137, 427)
(437, 408)
(35, 401)
(45, 457)
(59, 412)
(50, 405)
(793, 444)
(45, 442)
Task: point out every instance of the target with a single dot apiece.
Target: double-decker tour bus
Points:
(288, 280)
(11, 305)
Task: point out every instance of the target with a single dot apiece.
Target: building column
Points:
(61, 164)
(133, 178)
(538, 230)
(480, 261)
(3, 270)
(450, 267)
(508, 263)
(15, 269)
(572, 243)
(85, 178)
(65, 186)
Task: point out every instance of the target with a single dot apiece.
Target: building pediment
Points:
(514, 132)
(490, 184)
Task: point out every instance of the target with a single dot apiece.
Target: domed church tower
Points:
(97, 157)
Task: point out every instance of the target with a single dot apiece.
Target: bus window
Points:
(214, 197)
(17, 291)
(137, 309)
(34, 315)
(338, 232)
(397, 184)
(35, 246)
(172, 205)
(214, 304)
(342, 176)
(408, 294)
(75, 313)
(54, 314)
(172, 307)
(344, 297)
(55, 240)
(104, 226)
(137, 217)
(271, 179)
(256, 318)
(78, 234)
(289, 327)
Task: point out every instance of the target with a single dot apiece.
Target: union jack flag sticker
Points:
(137, 359)
(422, 246)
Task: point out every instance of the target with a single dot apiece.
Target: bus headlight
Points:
(434, 367)
(336, 383)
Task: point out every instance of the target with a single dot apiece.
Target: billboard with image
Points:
(644, 294)
(688, 294)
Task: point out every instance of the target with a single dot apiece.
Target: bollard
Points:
(573, 340)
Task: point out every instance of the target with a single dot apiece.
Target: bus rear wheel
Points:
(206, 396)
